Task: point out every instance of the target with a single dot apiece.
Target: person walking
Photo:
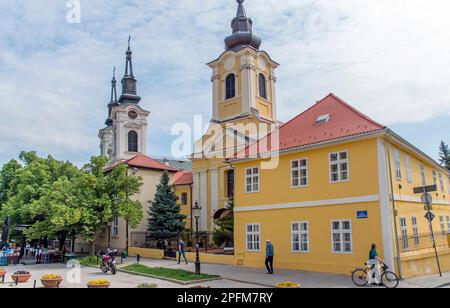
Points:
(182, 251)
(270, 253)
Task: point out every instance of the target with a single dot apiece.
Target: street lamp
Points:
(196, 210)
(109, 234)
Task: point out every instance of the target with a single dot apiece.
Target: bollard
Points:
(138, 258)
(34, 285)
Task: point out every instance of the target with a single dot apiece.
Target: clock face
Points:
(132, 115)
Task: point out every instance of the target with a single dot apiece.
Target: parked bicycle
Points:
(389, 279)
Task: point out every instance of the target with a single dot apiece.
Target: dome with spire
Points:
(129, 91)
(242, 31)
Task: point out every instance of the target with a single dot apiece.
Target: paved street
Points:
(233, 277)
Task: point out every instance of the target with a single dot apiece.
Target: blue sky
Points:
(387, 58)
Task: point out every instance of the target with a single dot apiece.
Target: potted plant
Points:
(21, 276)
(288, 285)
(98, 284)
(51, 280)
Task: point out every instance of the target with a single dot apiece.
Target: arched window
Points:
(230, 84)
(132, 141)
(262, 86)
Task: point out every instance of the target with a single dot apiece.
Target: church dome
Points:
(242, 31)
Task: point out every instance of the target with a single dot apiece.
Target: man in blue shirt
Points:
(270, 253)
(182, 251)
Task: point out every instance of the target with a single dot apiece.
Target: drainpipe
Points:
(397, 244)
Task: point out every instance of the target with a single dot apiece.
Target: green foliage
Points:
(165, 222)
(170, 273)
(89, 261)
(58, 200)
(444, 155)
(224, 232)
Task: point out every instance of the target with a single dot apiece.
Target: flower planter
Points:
(97, 285)
(2, 273)
(288, 285)
(51, 283)
(22, 278)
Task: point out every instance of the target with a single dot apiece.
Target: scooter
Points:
(108, 262)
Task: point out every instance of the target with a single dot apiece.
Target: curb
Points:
(185, 283)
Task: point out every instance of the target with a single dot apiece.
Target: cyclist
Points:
(374, 265)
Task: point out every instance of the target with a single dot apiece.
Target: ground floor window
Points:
(415, 231)
(253, 237)
(448, 224)
(115, 228)
(442, 223)
(341, 232)
(300, 236)
(404, 228)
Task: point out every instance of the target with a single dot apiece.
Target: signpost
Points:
(427, 199)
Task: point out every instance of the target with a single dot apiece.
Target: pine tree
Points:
(444, 155)
(224, 232)
(165, 222)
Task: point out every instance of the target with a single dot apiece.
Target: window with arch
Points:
(230, 85)
(132, 141)
(262, 86)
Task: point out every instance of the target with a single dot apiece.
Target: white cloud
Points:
(388, 58)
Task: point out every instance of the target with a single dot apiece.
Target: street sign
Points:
(421, 190)
(362, 214)
(429, 216)
(427, 199)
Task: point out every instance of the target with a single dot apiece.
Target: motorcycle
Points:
(108, 262)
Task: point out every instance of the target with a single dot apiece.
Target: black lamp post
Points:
(196, 210)
(109, 234)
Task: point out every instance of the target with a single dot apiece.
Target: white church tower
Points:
(125, 134)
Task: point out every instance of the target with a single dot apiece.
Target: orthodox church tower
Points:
(125, 134)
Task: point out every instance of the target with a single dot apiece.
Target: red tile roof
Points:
(183, 178)
(344, 121)
(144, 162)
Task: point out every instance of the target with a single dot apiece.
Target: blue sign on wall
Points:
(363, 214)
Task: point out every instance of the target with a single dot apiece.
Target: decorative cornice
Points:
(273, 78)
(215, 77)
(248, 67)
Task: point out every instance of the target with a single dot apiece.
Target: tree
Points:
(165, 222)
(224, 231)
(7, 175)
(444, 155)
(59, 200)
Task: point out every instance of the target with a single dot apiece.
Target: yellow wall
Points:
(276, 226)
(275, 189)
(185, 209)
(425, 264)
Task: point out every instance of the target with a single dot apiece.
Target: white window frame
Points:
(115, 228)
(398, 165)
(252, 176)
(253, 241)
(442, 225)
(408, 168)
(404, 231)
(299, 169)
(423, 175)
(441, 182)
(341, 233)
(435, 177)
(300, 232)
(415, 231)
(339, 162)
(448, 223)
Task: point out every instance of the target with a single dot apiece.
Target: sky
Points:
(389, 59)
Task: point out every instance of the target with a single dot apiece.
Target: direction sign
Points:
(421, 190)
(429, 216)
(427, 198)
